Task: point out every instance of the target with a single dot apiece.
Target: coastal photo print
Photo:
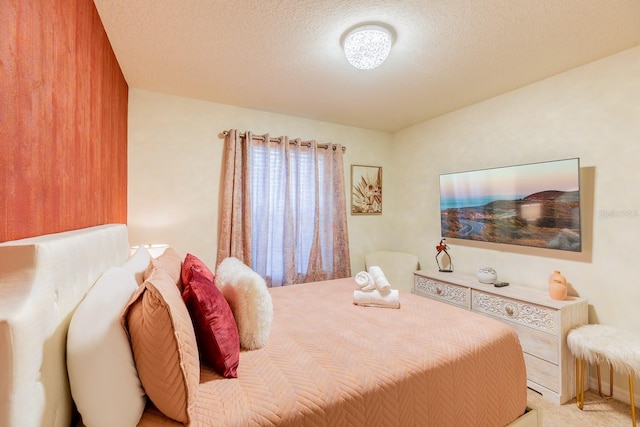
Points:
(366, 190)
(536, 205)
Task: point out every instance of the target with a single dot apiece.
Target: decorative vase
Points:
(486, 275)
(557, 286)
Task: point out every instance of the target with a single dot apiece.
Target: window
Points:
(297, 210)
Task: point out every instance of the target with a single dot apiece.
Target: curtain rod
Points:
(278, 140)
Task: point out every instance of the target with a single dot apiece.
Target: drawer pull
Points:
(510, 310)
(439, 290)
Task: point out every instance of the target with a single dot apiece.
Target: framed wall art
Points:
(535, 204)
(366, 190)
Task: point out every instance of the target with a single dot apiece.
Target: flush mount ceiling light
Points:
(367, 46)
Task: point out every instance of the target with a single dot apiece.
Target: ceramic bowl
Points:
(486, 275)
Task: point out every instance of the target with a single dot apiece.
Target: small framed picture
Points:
(366, 190)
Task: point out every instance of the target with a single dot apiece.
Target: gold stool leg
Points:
(610, 382)
(631, 400)
(580, 365)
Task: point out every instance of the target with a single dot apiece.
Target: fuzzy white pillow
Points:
(249, 299)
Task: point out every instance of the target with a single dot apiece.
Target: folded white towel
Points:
(365, 281)
(375, 299)
(382, 284)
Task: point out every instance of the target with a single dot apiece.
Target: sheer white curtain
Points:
(284, 208)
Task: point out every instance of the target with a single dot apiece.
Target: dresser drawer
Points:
(542, 372)
(442, 291)
(537, 343)
(520, 312)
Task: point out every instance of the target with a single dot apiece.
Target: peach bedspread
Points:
(331, 363)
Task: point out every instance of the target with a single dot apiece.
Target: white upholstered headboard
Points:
(42, 281)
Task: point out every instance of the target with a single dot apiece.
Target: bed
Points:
(326, 361)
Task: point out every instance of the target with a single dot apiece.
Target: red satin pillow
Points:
(192, 262)
(215, 327)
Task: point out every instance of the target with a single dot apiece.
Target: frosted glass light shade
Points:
(368, 46)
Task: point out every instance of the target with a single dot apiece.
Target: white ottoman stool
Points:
(599, 343)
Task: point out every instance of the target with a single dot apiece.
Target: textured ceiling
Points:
(284, 56)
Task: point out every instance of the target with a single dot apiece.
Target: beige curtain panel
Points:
(283, 208)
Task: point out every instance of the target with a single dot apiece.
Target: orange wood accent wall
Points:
(63, 120)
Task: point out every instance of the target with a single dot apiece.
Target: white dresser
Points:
(541, 323)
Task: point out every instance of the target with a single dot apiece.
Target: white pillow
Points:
(102, 373)
(249, 299)
(138, 263)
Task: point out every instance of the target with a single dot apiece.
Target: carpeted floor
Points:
(597, 411)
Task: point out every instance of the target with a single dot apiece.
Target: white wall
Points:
(592, 112)
(175, 157)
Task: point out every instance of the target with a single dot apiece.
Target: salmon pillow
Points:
(164, 345)
(170, 262)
